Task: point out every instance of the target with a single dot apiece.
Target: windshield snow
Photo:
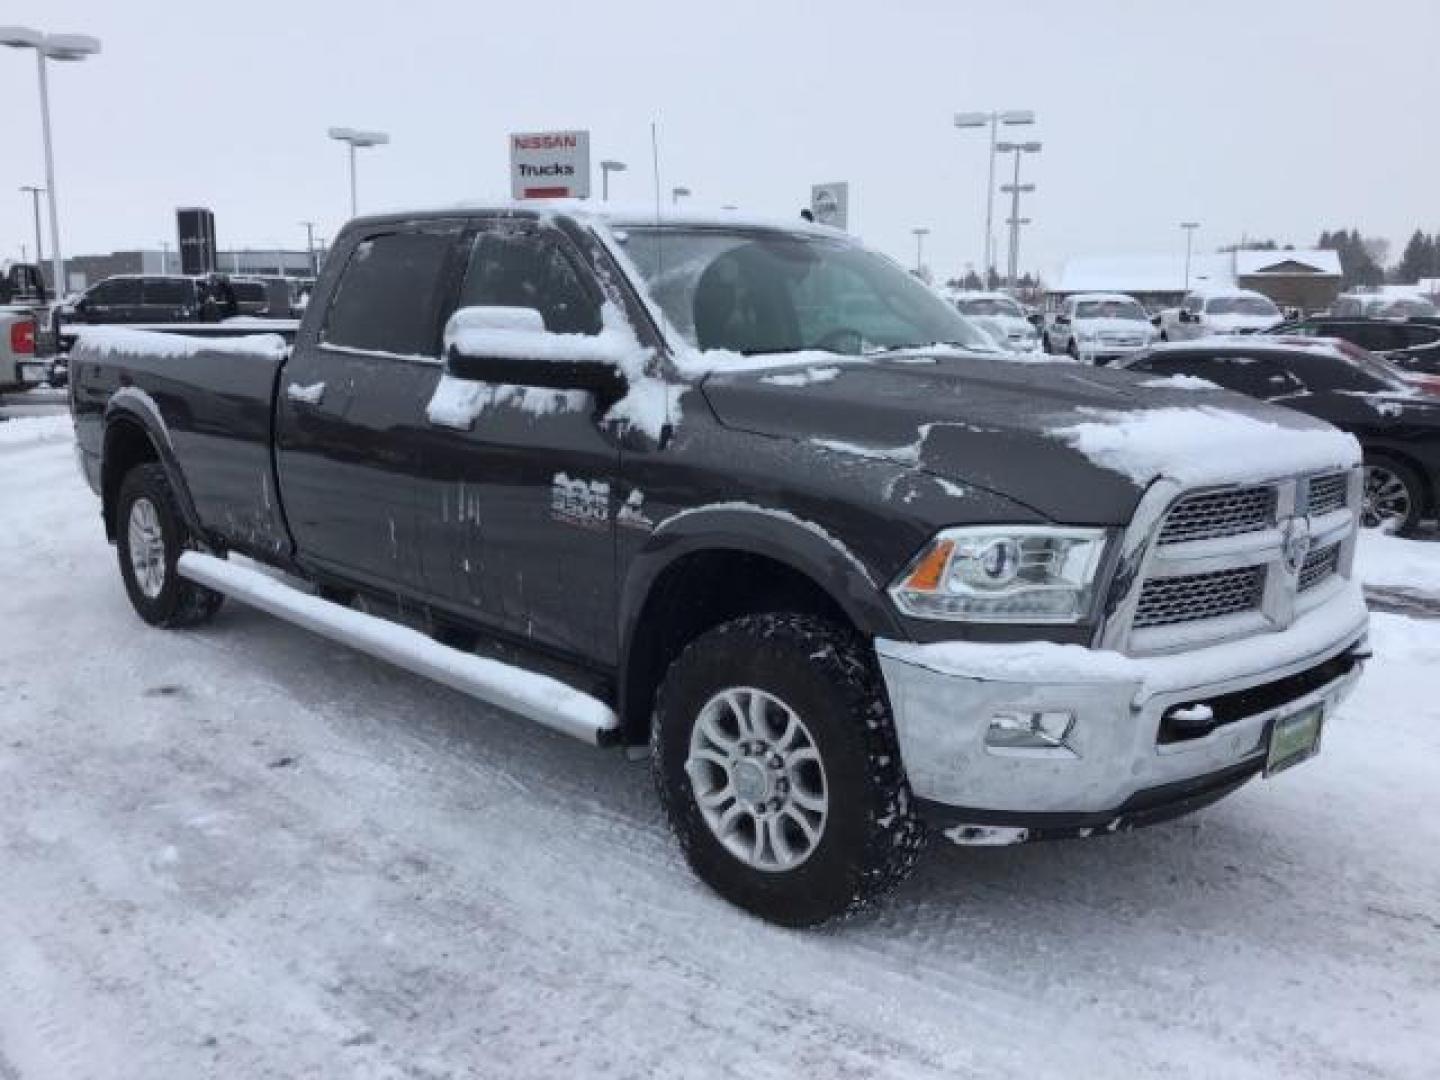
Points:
(1241, 305)
(1110, 309)
(758, 292)
(990, 307)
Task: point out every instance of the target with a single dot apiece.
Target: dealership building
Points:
(1309, 280)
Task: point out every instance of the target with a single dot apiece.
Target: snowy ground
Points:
(245, 852)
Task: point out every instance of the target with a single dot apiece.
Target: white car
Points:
(1204, 313)
(1099, 327)
(1000, 316)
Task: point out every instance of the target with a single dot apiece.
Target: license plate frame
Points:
(1294, 738)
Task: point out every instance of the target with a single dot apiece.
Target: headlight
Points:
(1023, 574)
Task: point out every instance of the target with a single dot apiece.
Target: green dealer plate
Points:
(1294, 738)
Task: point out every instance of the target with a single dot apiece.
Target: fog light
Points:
(1019, 729)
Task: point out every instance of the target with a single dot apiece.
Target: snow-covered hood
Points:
(1235, 324)
(1122, 327)
(1076, 444)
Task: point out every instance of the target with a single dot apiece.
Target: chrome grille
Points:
(1329, 493)
(1220, 513)
(1169, 600)
(1318, 566)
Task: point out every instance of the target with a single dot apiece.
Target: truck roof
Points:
(615, 215)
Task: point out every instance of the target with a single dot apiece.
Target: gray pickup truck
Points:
(750, 496)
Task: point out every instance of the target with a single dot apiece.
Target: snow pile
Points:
(1180, 382)
(804, 378)
(25, 430)
(1205, 445)
(118, 340)
(1388, 562)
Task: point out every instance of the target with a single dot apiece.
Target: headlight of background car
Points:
(1023, 574)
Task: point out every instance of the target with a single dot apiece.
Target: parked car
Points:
(21, 367)
(1413, 345)
(155, 298)
(1000, 315)
(842, 597)
(1396, 421)
(1207, 312)
(1099, 327)
(1381, 306)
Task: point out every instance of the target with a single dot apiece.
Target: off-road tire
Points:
(871, 837)
(179, 602)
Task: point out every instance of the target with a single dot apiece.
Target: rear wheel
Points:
(150, 536)
(1394, 496)
(776, 762)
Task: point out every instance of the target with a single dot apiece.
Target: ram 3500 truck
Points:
(751, 496)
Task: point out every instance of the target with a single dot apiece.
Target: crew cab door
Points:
(518, 510)
(350, 423)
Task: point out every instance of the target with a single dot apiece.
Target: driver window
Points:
(524, 269)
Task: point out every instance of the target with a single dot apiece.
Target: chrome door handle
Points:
(313, 394)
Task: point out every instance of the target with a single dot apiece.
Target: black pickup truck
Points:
(751, 496)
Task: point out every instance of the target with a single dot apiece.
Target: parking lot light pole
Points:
(1189, 227)
(1015, 189)
(992, 120)
(61, 47)
(678, 193)
(606, 168)
(357, 139)
(35, 193)
(310, 245)
(920, 235)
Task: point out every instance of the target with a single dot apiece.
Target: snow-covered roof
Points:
(1166, 273)
(1105, 298)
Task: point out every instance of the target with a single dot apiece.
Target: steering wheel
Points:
(841, 340)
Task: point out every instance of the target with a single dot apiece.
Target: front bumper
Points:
(1121, 763)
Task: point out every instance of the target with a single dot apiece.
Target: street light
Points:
(1189, 227)
(991, 120)
(920, 235)
(35, 193)
(606, 168)
(63, 47)
(357, 139)
(310, 244)
(1014, 190)
(678, 193)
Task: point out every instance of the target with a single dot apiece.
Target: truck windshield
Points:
(1241, 305)
(990, 306)
(1110, 309)
(757, 291)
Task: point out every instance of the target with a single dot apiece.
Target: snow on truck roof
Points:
(615, 215)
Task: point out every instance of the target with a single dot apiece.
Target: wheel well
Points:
(127, 445)
(1427, 486)
(696, 593)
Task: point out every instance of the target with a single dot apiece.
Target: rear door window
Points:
(119, 291)
(388, 298)
(162, 292)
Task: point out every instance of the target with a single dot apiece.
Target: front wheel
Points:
(776, 761)
(150, 536)
(1393, 497)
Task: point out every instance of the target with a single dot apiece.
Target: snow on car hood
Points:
(1031, 432)
(1230, 324)
(1114, 326)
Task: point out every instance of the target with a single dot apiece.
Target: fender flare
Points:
(131, 405)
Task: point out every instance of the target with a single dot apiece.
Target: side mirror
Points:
(511, 345)
(1155, 320)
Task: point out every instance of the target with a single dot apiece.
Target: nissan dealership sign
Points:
(550, 165)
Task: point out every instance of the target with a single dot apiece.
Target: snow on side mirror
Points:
(510, 345)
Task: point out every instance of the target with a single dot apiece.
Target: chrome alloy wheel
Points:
(758, 778)
(147, 548)
(1387, 499)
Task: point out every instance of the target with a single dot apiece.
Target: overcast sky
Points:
(1272, 118)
